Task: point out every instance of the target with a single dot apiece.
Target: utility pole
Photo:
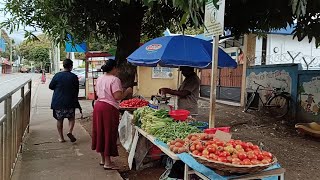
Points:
(58, 57)
(11, 52)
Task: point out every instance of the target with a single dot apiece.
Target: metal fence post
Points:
(2, 165)
(22, 114)
(29, 104)
(8, 106)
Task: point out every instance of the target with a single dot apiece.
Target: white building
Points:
(281, 47)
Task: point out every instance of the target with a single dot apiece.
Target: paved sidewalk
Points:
(44, 158)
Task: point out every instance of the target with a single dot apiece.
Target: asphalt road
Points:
(10, 82)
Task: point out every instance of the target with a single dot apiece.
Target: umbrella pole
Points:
(213, 91)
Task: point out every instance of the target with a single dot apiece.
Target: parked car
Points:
(24, 70)
(81, 76)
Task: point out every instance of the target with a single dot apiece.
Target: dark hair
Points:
(186, 68)
(67, 63)
(109, 65)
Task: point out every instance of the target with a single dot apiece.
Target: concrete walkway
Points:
(44, 158)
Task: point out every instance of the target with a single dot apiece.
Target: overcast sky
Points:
(18, 36)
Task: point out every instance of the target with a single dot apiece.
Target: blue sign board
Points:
(80, 48)
(2, 45)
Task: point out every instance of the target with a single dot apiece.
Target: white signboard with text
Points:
(214, 18)
(162, 73)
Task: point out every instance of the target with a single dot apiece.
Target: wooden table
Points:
(188, 171)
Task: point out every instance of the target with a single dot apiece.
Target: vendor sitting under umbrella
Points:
(188, 92)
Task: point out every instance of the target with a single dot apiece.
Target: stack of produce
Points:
(134, 103)
(140, 113)
(151, 124)
(174, 131)
(159, 124)
(234, 151)
(178, 146)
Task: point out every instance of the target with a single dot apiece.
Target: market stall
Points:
(181, 137)
(177, 140)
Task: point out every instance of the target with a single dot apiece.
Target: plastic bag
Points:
(126, 130)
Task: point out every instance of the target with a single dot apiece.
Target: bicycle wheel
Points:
(278, 106)
(248, 104)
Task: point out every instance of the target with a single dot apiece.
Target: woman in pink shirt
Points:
(106, 114)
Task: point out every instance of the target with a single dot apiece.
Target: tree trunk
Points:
(130, 23)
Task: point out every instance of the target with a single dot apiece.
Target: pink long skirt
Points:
(105, 129)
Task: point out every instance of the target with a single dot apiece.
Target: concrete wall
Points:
(148, 86)
(283, 76)
(308, 96)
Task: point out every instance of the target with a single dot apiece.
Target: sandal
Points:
(61, 140)
(112, 167)
(72, 138)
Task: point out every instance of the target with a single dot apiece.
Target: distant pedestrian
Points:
(106, 114)
(43, 76)
(65, 85)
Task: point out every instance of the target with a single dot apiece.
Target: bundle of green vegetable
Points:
(162, 113)
(174, 130)
(140, 113)
(151, 123)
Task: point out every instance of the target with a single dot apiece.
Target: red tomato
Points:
(195, 152)
(255, 147)
(199, 147)
(242, 156)
(265, 161)
(268, 159)
(244, 145)
(246, 162)
(212, 156)
(252, 156)
(220, 143)
(229, 159)
(257, 152)
(236, 160)
(255, 162)
(234, 155)
(211, 149)
(260, 157)
(222, 159)
(224, 154)
(248, 149)
(267, 154)
(249, 144)
(238, 142)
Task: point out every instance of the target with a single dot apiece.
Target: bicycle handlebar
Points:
(258, 84)
(274, 89)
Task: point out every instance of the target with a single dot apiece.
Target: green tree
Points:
(36, 50)
(126, 20)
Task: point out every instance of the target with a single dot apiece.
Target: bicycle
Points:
(278, 103)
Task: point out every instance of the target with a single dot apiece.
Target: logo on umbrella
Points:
(153, 47)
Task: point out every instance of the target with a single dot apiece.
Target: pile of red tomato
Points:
(134, 103)
(235, 152)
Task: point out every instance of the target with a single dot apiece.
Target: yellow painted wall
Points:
(147, 86)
